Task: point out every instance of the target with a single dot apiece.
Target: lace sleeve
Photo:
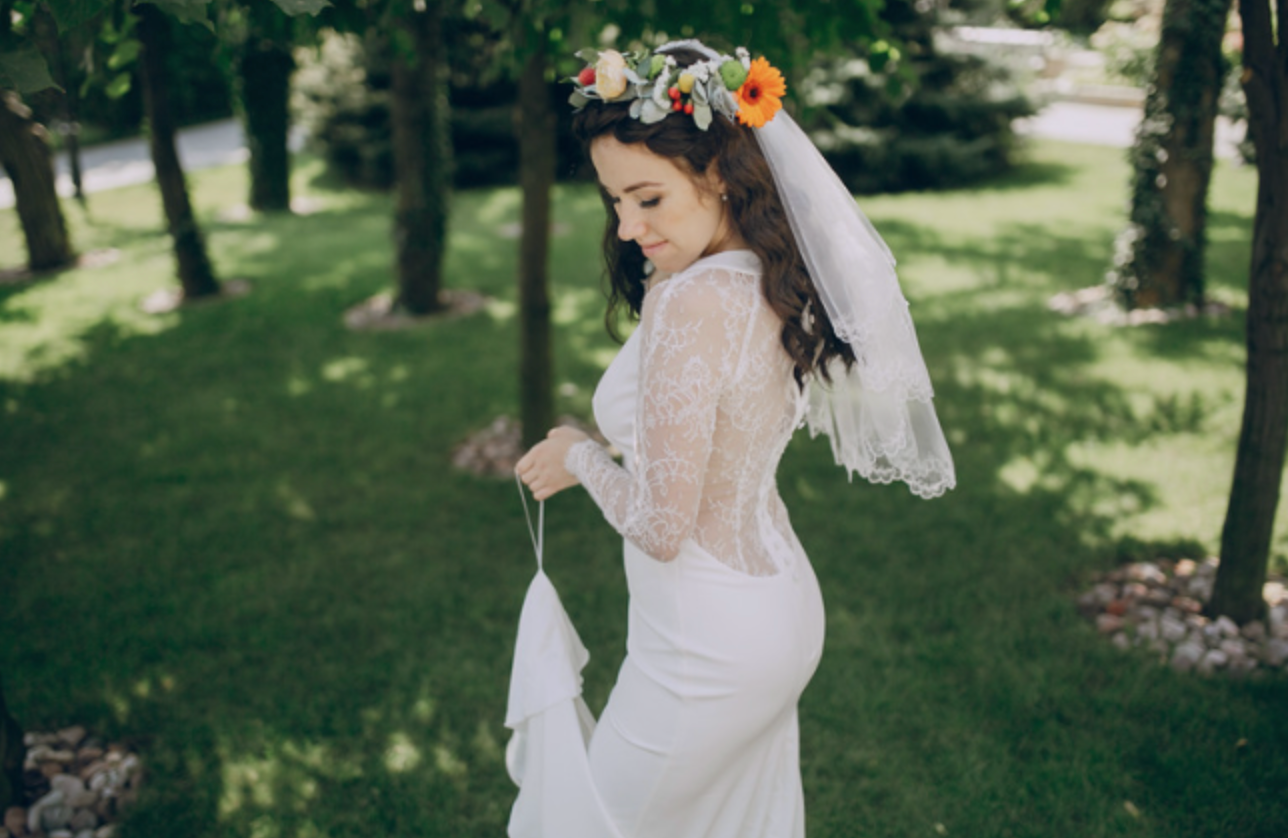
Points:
(687, 350)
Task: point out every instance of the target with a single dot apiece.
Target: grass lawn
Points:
(233, 535)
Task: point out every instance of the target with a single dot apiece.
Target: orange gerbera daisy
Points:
(761, 95)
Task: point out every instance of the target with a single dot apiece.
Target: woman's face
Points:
(660, 207)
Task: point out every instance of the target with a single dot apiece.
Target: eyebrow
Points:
(628, 190)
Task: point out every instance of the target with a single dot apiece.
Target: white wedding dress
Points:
(699, 737)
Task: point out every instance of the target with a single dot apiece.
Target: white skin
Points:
(675, 221)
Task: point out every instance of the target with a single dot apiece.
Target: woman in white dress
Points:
(734, 345)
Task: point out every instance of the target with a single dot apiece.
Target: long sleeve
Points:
(687, 354)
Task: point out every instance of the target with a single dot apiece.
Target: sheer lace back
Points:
(713, 410)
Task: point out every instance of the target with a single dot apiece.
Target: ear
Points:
(713, 184)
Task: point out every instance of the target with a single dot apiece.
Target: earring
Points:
(724, 196)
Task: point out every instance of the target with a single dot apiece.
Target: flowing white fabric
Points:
(546, 756)
(700, 735)
(879, 415)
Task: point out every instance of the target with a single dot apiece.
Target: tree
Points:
(196, 276)
(264, 67)
(1159, 259)
(422, 146)
(25, 154)
(1259, 463)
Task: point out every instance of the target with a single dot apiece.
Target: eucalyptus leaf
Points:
(578, 99)
(700, 94)
(590, 55)
(650, 112)
(636, 107)
(702, 116)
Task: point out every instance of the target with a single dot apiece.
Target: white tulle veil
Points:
(879, 414)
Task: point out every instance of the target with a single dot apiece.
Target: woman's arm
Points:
(687, 353)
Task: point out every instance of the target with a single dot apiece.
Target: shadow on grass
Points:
(239, 539)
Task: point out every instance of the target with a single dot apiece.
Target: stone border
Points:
(74, 786)
(1097, 303)
(1158, 606)
(378, 313)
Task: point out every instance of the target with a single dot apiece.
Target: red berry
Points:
(675, 93)
(586, 77)
(677, 105)
(688, 108)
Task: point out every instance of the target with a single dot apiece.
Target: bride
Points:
(765, 300)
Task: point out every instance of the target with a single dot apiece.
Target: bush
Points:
(952, 127)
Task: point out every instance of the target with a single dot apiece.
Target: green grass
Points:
(232, 534)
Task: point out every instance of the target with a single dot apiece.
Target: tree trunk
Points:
(1259, 465)
(24, 153)
(12, 752)
(536, 129)
(422, 157)
(1172, 159)
(195, 274)
(264, 71)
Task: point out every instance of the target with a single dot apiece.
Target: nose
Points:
(629, 225)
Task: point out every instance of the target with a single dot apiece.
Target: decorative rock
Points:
(1135, 590)
(1187, 604)
(36, 819)
(85, 833)
(1186, 656)
(51, 769)
(61, 833)
(1105, 592)
(93, 768)
(89, 753)
(1185, 568)
(1146, 572)
(1212, 659)
(1147, 630)
(1117, 608)
(1240, 667)
(1234, 647)
(1254, 631)
(1276, 652)
(68, 784)
(108, 831)
(1227, 626)
(1195, 620)
(1108, 623)
(84, 820)
(15, 820)
(82, 799)
(72, 736)
(1120, 640)
(1171, 628)
(1212, 634)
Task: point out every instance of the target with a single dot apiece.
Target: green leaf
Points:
(118, 86)
(69, 14)
(124, 54)
(187, 11)
(22, 66)
(578, 100)
(299, 7)
(702, 116)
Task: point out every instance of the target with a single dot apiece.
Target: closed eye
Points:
(650, 203)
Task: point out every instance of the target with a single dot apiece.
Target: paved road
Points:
(220, 143)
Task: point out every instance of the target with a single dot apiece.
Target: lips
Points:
(650, 249)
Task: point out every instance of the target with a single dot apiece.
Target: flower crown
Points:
(734, 85)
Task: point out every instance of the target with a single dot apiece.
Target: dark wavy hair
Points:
(755, 210)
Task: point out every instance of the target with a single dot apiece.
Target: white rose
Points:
(610, 74)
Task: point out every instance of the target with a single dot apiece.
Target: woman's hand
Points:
(542, 468)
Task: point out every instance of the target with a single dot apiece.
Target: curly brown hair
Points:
(755, 210)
